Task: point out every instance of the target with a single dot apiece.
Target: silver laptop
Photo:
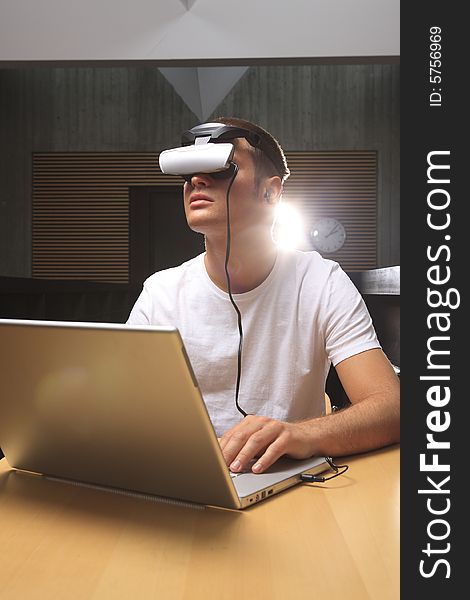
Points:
(119, 406)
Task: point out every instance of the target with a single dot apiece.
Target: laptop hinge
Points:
(141, 496)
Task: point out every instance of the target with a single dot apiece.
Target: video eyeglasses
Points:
(205, 149)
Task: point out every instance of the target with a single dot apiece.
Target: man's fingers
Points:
(236, 442)
(235, 438)
(255, 445)
(273, 452)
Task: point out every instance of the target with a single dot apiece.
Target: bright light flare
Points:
(288, 229)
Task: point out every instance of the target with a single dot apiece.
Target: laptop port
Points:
(263, 494)
(270, 491)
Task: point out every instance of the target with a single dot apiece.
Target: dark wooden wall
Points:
(315, 107)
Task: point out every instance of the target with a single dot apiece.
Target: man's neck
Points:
(251, 261)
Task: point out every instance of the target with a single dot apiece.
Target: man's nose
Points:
(200, 180)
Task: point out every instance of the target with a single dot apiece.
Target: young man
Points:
(299, 311)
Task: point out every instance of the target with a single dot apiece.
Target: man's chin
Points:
(206, 226)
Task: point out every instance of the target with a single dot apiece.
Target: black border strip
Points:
(431, 562)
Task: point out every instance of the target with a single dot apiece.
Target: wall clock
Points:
(328, 235)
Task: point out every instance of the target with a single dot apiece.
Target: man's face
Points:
(205, 199)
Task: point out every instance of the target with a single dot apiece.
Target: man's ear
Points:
(272, 189)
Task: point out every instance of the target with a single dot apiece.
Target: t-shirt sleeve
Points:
(348, 326)
(141, 311)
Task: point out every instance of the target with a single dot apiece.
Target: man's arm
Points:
(372, 420)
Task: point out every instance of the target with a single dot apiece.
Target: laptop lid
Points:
(118, 406)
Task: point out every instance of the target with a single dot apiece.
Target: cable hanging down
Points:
(229, 289)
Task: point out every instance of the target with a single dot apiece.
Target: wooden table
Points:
(339, 539)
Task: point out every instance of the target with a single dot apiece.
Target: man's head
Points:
(256, 188)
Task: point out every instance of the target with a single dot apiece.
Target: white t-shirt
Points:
(304, 316)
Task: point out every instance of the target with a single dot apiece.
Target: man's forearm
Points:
(372, 423)
(366, 425)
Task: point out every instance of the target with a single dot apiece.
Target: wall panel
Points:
(134, 109)
(81, 207)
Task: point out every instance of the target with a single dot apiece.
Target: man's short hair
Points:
(264, 166)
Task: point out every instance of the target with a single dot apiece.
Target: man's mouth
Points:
(199, 199)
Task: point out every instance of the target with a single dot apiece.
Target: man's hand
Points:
(265, 438)
(372, 421)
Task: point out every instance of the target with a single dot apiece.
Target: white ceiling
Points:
(162, 30)
(169, 31)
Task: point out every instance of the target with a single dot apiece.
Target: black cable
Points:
(309, 478)
(229, 288)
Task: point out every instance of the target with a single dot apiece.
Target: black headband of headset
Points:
(220, 132)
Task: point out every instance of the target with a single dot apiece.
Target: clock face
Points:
(327, 235)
